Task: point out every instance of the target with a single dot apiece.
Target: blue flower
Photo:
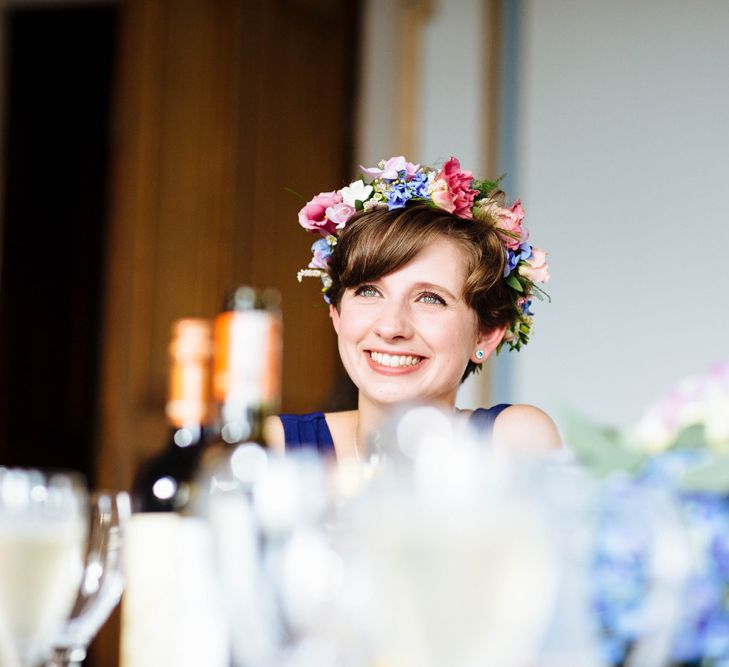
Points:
(513, 257)
(417, 186)
(667, 468)
(397, 195)
(525, 306)
(321, 252)
(512, 260)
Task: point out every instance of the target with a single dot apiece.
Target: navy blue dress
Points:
(312, 430)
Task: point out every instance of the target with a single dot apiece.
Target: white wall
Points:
(623, 164)
(448, 114)
(452, 98)
(452, 119)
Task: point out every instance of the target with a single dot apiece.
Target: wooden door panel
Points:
(220, 105)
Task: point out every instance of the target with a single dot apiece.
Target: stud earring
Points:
(480, 354)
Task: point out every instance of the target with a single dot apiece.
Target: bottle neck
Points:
(187, 435)
(241, 422)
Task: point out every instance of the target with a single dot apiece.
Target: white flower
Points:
(717, 422)
(436, 185)
(356, 191)
(651, 435)
(309, 273)
(373, 203)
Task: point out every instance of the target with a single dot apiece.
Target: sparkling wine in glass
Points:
(42, 534)
(102, 583)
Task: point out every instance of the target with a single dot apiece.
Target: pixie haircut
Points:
(379, 241)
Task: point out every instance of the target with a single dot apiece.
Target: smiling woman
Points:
(426, 273)
(404, 339)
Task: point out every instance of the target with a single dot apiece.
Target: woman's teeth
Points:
(394, 360)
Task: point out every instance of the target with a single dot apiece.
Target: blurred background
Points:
(146, 146)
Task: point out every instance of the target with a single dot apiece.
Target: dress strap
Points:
(309, 431)
(483, 419)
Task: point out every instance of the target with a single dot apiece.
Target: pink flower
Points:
(535, 268)
(444, 199)
(509, 221)
(339, 214)
(392, 167)
(458, 198)
(313, 216)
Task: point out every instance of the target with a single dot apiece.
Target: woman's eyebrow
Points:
(437, 288)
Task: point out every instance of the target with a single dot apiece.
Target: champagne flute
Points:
(42, 534)
(103, 581)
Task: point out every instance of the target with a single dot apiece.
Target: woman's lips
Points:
(394, 364)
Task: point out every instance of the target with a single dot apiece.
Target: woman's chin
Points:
(392, 396)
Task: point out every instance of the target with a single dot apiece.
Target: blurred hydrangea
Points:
(679, 448)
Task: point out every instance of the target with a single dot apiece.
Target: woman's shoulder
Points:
(526, 428)
(341, 420)
(320, 428)
(280, 430)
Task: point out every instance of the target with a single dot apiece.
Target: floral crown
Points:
(394, 183)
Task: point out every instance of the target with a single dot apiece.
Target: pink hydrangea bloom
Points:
(458, 198)
(313, 216)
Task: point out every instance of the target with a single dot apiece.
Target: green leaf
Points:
(358, 205)
(599, 449)
(424, 200)
(691, 437)
(486, 187)
(296, 194)
(540, 293)
(506, 232)
(711, 477)
(513, 282)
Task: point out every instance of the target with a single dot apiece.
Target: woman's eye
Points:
(430, 297)
(366, 290)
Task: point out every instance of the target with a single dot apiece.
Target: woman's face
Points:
(409, 335)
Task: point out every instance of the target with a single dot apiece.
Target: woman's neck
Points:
(371, 417)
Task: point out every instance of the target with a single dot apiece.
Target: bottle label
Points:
(189, 391)
(247, 359)
(188, 394)
(172, 613)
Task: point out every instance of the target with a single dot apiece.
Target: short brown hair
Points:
(379, 241)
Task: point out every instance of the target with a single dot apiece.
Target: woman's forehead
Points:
(442, 262)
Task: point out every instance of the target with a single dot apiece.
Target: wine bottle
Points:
(246, 374)
(171, 612)
(165, 483)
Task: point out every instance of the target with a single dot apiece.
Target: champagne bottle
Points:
(246, 374)
(171, 614)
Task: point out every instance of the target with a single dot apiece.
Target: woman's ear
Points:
(334, 314)
(486, 342)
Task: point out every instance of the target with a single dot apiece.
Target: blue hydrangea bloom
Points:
(511, 261)
(525, 306)
(621, 557)
(320, 254)
(322, 247)
(417, 186)
(397, 195)
(513, 257)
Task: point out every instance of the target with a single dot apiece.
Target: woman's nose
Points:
(393, 322)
